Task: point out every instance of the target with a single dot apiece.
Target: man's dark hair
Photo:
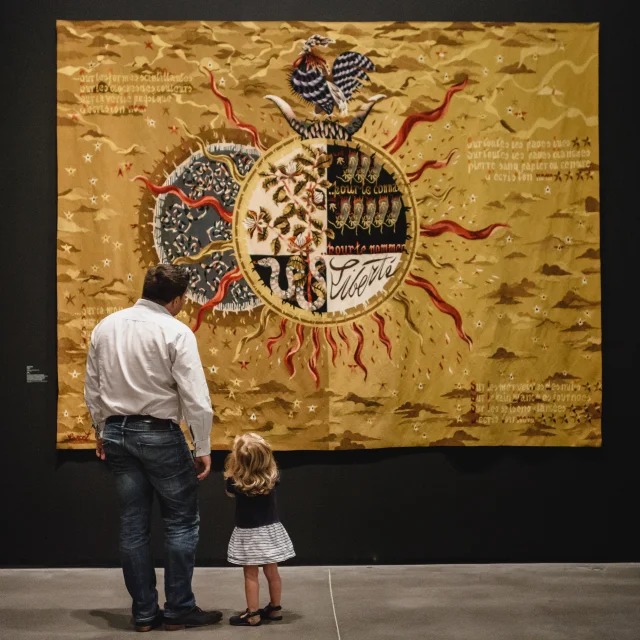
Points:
(165, 282)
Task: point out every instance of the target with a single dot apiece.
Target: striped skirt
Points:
(260, 546)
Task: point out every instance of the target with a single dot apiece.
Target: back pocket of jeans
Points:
(166, 458)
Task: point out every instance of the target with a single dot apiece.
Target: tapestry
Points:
(391, 229)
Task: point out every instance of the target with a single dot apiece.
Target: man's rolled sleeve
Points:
(194, 392)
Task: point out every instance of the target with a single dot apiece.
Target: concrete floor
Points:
(461, 602)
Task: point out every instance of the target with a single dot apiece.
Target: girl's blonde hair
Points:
(251, 465)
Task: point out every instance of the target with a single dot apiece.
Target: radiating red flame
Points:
(205, 201)
(427, 116)
(231, 276)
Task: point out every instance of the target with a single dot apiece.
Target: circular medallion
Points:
(324, 230)
(194, 233)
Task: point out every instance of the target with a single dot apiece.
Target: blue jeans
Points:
(145, 461)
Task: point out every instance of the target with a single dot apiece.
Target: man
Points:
(143, 375)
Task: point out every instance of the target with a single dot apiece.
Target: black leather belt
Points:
(153, 423)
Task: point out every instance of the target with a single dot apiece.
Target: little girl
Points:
(259, 539)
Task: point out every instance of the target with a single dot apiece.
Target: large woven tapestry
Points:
(392, 229)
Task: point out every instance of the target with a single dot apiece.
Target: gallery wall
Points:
(385, 506)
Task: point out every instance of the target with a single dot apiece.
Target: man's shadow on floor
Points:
(106, 618)
(121, 618)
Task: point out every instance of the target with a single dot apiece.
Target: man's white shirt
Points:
(142, 361)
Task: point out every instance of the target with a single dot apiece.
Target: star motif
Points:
(252, 382)
(151, 122)
(243, 364)
(93, 180)
(65, 413)
(117, 244)
(173, 129)
(130, 276)
(88, 157)
(105, 197)
(67, 248)
(68, 215)
(394, 393)
(312, 408)
(253, 417)
(232, 394)
(106, 262)
(213, 351)
(296, 404)
(226, 344)
(94, 268)
(213, 369)
(458, 418)
(94, 199)
(70, 170)
(70, 300)
(236, 382)
(79, 420)
(74, 374)
(98, 145)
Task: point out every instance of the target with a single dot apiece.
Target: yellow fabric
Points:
(486, 206)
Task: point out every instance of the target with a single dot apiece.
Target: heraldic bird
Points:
(311, 81)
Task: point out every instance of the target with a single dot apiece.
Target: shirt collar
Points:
(154, 306)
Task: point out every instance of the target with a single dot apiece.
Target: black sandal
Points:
(265, 614)
(244, 619)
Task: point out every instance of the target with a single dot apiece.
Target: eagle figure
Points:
(310, 78)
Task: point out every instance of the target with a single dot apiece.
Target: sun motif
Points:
(319, 230)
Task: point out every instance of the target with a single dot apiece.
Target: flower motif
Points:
(291, 168)
(255, 221)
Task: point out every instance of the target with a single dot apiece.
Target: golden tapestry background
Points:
(501, 176)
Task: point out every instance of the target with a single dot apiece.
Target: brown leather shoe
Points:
(150, 626)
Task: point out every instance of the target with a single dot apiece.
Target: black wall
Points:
(444, 505)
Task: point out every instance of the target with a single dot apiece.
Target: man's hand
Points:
(204, 462)
(100, 450)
